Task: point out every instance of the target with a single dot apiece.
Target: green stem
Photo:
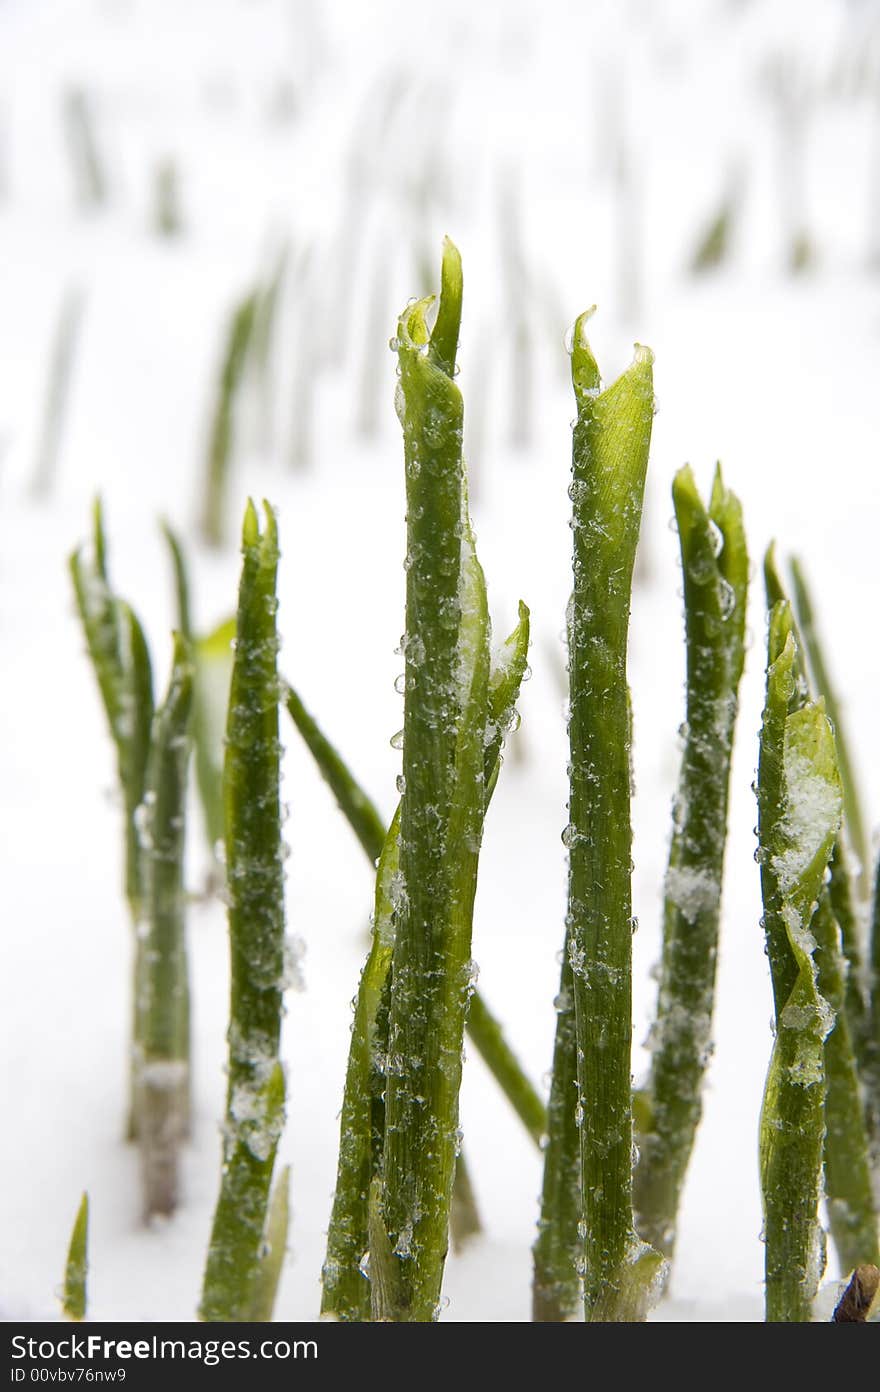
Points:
(843, 882)
(442, 808)
(799, 811)
(848, 1192)
(163, 1070)
(346, 1292)
(609, 458)
(871, 1071)
(715, 592)
(558, 1251)
(121, 662)
(268, 1276)
(255, 883)
(846, 1144)
(484, 1030)
(853, 818)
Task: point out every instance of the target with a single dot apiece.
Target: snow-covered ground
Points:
(575, 153)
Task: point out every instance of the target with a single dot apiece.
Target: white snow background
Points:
(600, 136)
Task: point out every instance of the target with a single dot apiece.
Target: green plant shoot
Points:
(255, 886)
(799, 812)
(715, 568)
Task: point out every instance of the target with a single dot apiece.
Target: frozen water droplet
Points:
(292, 970)
(396, 741)
(400, 784)
(414, 648)
(403, 1245)
(701, 568)
(472, 976)
(726, 597)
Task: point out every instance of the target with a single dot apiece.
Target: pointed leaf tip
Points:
(412, 327)
(250, 532)
(76, 1271)
(271, 535)
(684, 482)
(585, 376)
(444, 336)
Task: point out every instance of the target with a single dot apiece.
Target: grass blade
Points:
(213, 664)
(442, 808)
(238, 337)
(357, 808)
(842, 885)
(612, 436)
(464, 1215)
(181, 581)
(486, 1034)
(483, 1028)
(263, 346)
(75, 1298)
(163, 1067)
(272, 1259)
(212, 673)
(120, 658)
(715, 594)
(853, 818)
(871, 1070)
(87, 165)
(121, 662)
(255, 882)
(346, 1292)
(557, 1288)
(166, 217)
(852, 1105)
(399, 1131)
(852, 1216)
(446, 711)
(799, 812)
(64, 349)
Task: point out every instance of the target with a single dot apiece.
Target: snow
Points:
(693, 891)
(813, 803)
(617, 125)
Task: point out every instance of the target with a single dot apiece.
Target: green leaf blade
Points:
(610, 448)
(254, 861)
(715, 567)
(75, 1297)
(800, 808)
